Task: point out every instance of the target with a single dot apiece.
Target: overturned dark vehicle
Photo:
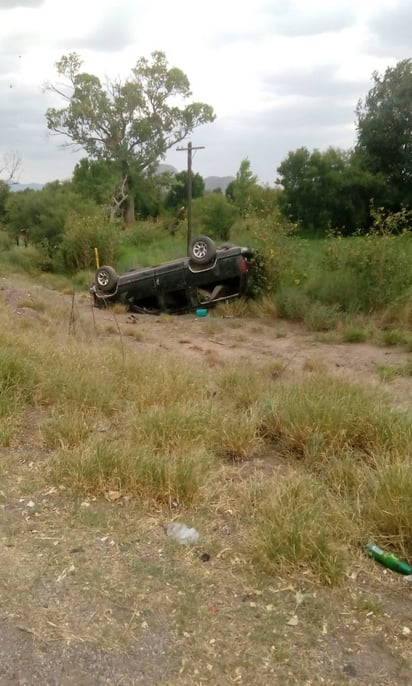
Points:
(209, 274)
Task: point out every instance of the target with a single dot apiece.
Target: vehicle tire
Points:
(202, 250)
(106, 279)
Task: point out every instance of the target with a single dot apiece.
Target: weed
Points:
(389, 372)
(394, 337)
(387, 503)
(355, 335)
(322, 415)
(296, 526)
(320, 317)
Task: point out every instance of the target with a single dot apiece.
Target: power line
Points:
(189, 150)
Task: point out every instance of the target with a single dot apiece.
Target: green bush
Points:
(84, 233)
(5, 240)
(365, 273)
(215, 215)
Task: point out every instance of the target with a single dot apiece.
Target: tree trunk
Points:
(129, 212)
(129, 217)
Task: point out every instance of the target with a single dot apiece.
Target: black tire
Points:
(202, 250)
(106, 279)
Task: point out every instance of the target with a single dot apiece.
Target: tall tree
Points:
(326, 190)
(384, 126)
(177, 195)
(131, 123)
(240, 190)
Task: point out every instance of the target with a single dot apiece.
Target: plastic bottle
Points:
(182, 533)
(388, 559)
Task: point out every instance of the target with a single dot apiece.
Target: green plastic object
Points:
(201, 313)
(388, 559)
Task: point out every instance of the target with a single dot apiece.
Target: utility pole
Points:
(189, 149)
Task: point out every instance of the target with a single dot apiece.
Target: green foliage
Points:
(95, 180)
(240, 191)
(4, 194)
(367, 272)
(131, 123)
(5, 240)
(385, 132)
(277, 260)
(178, 193)
(101, 181)
(215, 214)
(328, 190)
(355, 335)
(385, 222)
(43, 213)
(84, 233)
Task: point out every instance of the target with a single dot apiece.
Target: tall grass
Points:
(159, 430)
(298, 527)
(317, 416)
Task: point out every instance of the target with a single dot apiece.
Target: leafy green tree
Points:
(177, 195)
(95, 180)
(4, 194)
(384, 126)
(326, 190)
(215, 214)
(42, 214)
(131, 123)
(100, 181)
(240, 190)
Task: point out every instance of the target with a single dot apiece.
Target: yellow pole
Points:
(96, 257)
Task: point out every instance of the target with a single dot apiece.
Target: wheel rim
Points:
(103, 279)
(200, 249)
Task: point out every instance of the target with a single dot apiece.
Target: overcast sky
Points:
(279, 74)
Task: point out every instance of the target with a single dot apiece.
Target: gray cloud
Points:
(115, 30)
(23, 129)
(287, 20)
(391, 30)
(318, 81)
(13, 4)
(267, 137)
(22, 120)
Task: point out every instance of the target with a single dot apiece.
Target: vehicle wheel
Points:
(202, 250)
(106, 279)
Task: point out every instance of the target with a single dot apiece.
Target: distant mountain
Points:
(162, 168)
(214, 182)
(23, 186)
(211, 182)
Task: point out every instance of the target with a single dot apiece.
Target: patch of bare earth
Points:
(95, 593)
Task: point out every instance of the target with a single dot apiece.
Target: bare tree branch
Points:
(10, 165)
(118, 199)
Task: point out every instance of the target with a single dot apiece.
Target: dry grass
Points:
(285, 477)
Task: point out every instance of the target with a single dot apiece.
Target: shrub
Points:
(215, 215)
(322, 415)
(365, 273)
(298, 527)
(84, 233)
